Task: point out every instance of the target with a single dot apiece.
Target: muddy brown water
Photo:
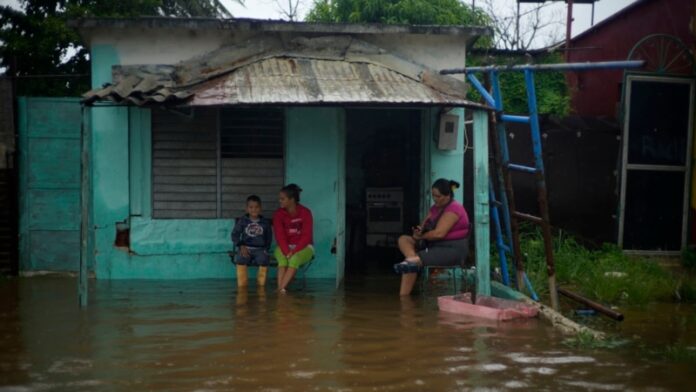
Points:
(205, 336)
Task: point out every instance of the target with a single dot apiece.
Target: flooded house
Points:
(187, 117)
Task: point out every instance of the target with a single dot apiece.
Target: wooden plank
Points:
(186, 180)
(161, 135)
(184, 171)
(251, 162)
(185, 196)
(268, 189)
(184, 205)
(193, 154)
(251, 180)
(176, 188)
(272, 172)
(184, 162)
(188, 145)
(185, 214)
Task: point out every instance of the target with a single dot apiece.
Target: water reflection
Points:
(207, 335)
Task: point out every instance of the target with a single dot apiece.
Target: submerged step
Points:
(486, 307)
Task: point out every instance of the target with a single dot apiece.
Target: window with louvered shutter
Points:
(251, 150)
(205, 165)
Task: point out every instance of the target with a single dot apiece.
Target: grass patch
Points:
(586, 340)
(605, 275)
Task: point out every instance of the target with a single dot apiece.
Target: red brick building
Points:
(598, 93)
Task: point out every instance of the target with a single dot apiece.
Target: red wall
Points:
(597, 93)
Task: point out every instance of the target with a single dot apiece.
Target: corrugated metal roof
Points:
(304, 81)
(323, 70)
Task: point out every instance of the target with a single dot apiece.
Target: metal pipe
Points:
(584, 66)
(569, 29)
(481, 90)
(594, 305)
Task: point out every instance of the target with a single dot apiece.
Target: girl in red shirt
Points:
(292, 227)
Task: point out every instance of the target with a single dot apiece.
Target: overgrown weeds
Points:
(605, 275)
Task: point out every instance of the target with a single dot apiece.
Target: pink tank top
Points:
(461, 228)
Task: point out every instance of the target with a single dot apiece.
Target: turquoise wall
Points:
(313, 150)
(447, 164)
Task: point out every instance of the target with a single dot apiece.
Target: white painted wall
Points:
(170, 46)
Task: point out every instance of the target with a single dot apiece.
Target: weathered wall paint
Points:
(49, 189)
(170, 46)
(447, 164)
(481, 203)
(311, 162)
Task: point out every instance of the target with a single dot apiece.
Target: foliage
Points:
(417, 12)
(605, 275)
(551, 88)
(689, 259)
(36, 40)
(587, 340)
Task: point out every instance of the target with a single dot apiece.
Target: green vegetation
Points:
(421, 12)
(35, 40)
(605, 275)
(586, 340)
(689, 259)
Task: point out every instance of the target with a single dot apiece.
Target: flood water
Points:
(205, 336)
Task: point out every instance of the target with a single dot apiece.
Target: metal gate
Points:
(49, 184)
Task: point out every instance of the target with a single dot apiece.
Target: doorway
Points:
(656, 164)
(383, 178)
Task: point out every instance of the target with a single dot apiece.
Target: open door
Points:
(340, 245)
(657, 137)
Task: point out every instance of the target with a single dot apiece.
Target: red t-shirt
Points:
(293, 229)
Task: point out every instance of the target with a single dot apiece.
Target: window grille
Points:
(205, 166)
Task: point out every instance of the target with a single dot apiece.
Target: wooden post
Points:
(481, 203)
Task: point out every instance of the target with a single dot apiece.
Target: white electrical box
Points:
(448, 132)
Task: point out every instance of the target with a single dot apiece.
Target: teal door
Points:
(49, 184)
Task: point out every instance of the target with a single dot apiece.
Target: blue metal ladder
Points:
(505, 167)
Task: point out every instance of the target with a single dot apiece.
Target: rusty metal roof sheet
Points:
(322, 70)
(304, 81)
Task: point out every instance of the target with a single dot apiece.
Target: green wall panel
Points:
(49, 167)
(54, 250)
(55, 163)
(54, 209)
(48, 119)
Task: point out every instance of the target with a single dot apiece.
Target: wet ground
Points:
(205, 336)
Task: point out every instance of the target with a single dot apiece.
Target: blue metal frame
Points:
(494, 99)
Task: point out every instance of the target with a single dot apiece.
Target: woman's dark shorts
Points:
(445, 253)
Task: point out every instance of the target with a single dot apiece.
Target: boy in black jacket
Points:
(252, 235)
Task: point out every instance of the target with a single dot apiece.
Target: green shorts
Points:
(297, 260)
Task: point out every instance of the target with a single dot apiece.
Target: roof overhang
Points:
(328, 70)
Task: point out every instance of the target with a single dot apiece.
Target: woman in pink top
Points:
(442, 238)
(293, 231)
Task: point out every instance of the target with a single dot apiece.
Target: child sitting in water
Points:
(252, 236)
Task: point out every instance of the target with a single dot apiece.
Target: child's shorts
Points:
(257, 256)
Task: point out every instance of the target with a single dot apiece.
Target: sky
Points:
(269, 9)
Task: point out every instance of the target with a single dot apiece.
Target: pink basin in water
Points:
(486, 307)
